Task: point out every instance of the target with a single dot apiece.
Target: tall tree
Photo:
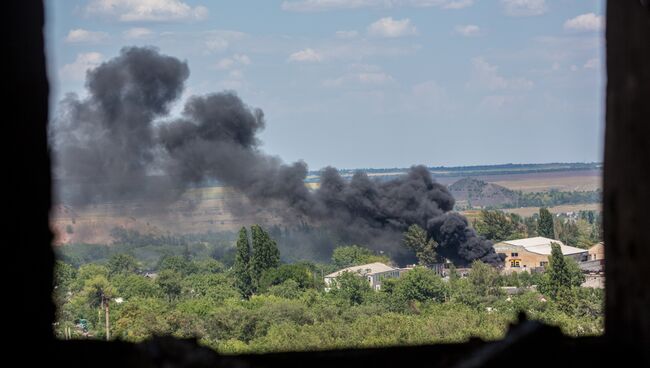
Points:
(545, 226)
(122, 264)
(169, 282)
(242, 266)
(265, 253)
(416, 239)
(484, 279)
(496, 226)
(561, 274)
(98, 293)
(353, 255)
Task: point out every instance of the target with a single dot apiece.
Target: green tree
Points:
(350, 288)
(178, 264)
(354, 255)
(169, 282)
(64, 275)
(417, 240)
(576, 233)
(497, 226)
(97, 293)
(299, 273)
(288, 290)
(130, 286)
(545, 224)
(242, 266)
(421, 284)
(561, 273)
(87, 272)
(484, 279)
(209, 265)
(96, 290)
(121, 264)
(141, 318)
(531, 226)
(265, 253)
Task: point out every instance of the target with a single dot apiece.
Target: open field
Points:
(579, 180)
(562, 181)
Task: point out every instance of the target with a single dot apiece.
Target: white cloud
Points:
(498, 102)
(304, 6)
(365, 78)
(146, 10)
(235, 60)
(486, 76)
(524, 8)
(593, 63)
(220, 40)
(137, 33)
(77, 70)
(346, 34)
(306, 55)
(242, 59)
(374, 78)
(585, 22)
(236, 74)
(361, 74)
(324, 5)
(225, 63)
(387, 27)
(85, 36)
(458, 4)
(359, 49)
(469, 30)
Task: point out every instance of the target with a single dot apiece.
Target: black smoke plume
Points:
(110, 143)
(106, 144)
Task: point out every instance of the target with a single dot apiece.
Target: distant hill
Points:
(478, 193)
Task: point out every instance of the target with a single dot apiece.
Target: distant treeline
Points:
(554, 198)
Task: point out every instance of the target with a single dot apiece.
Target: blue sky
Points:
(371, 83)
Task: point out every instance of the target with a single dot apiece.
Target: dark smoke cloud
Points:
(106, 143)
(110, 145)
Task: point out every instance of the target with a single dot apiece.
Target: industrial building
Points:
(531, 254)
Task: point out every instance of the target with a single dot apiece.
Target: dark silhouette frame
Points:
(29, 262)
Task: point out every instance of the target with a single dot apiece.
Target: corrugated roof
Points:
(541, 245)
(366, 269)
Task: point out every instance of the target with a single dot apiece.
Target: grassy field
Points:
(579, 180)
(562, 181)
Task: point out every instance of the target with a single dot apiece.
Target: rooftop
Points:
(366, 269)
(541, 245)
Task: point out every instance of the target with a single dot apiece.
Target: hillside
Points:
(477, 193)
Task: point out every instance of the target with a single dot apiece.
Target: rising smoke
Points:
(112, 142)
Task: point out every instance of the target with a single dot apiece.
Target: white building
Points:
(373, 272)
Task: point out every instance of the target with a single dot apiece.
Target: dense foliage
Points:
(193, 296)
